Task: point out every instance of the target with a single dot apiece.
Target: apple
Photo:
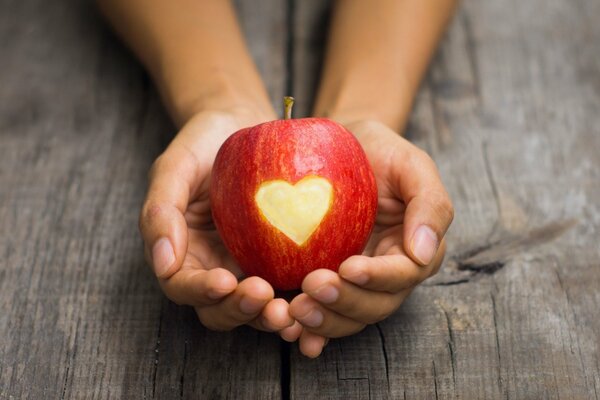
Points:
(291, 196)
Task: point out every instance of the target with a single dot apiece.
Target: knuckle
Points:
(148, 214)
(451, 211)
(422, 159)
(156, 166)
(447, 207)
(441, 205)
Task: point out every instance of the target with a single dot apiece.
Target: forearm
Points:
(377, 54)
(194, 51)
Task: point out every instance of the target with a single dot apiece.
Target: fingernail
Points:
(248, 305)
(325, 294)
(313, 319)
(162, 256)
(424, 244)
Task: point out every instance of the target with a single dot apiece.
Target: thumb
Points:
(162, 222)
(427, 217)
(429, 210)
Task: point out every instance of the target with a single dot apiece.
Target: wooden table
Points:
(510, 110)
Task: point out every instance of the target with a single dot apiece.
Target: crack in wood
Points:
(487, 268)
(576, 323)
(471, 45)
(490, 176)
(156, 354)
(489, 258)
(511, 245)
(451, 283)
(497, 337)
(66, 380)
(384, 351)
(182, 377)
(451, 346)
(285, 370)
(435, 386)
(70, 361)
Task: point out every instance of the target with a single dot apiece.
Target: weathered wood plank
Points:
(508, 116)
(509, 112)
(264, 24)
(309, 22)
(72, 173)
(81, 315)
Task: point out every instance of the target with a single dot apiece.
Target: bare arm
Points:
(377, 54)
(194, 51)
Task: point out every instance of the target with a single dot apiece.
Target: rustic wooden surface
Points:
(509, 110)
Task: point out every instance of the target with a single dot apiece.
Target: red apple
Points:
(291, 196)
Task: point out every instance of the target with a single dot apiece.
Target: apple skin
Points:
(290, 150)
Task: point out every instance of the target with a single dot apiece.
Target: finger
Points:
(292, 333)
(391, 272)
(429, 210)
(162, 221)
(199, 287)
(348, 299)
(274, 317)
(322, 321)
(311, 345)
(239, 308)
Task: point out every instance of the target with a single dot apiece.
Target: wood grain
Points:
(81, 315)
(505, 114)
(509, 111)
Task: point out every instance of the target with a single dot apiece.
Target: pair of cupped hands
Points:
(194, 268)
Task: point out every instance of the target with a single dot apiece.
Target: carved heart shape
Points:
(295, 210)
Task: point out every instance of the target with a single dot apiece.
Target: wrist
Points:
(242, 114)
(358, 124)
(352, 97)
(223, 93)
(394, 118)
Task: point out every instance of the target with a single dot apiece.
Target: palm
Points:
(205, 247)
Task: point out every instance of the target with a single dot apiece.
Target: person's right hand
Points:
(181, 242)
(406, 247)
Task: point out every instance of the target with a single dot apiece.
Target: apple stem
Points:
(288, 103)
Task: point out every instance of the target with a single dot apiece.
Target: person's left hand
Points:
(406, 247)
